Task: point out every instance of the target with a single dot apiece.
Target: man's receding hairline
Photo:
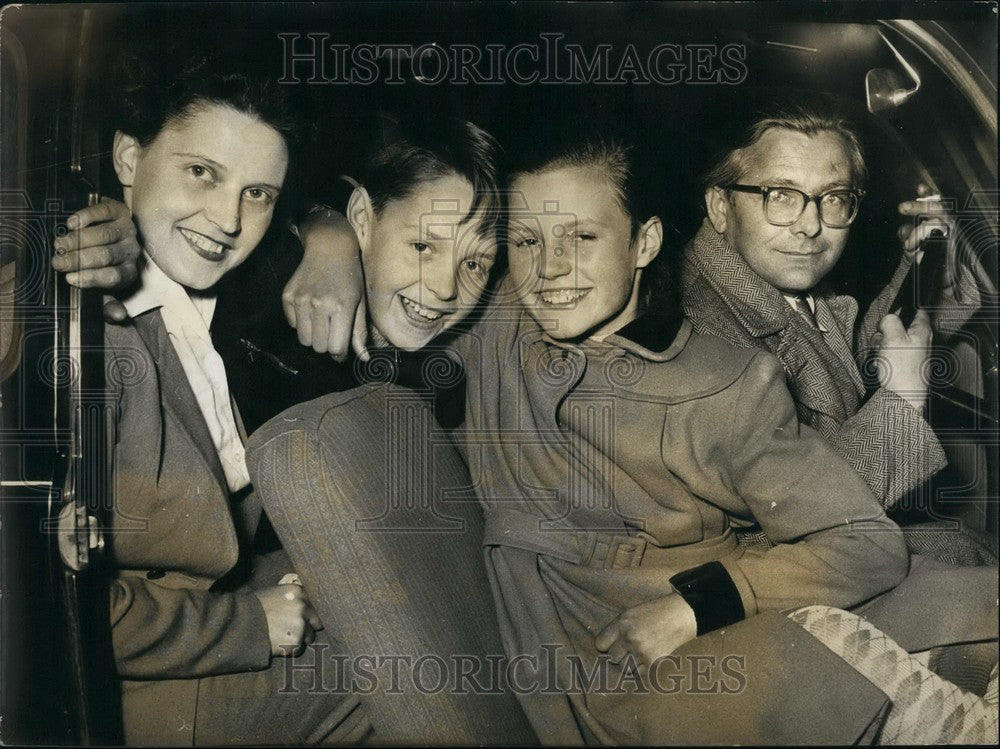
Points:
(744, 162)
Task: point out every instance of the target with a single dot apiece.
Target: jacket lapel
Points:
(758, 307)
(837, 315)
(820, 382)
(813, 375)
(844, 310)
(178, 397)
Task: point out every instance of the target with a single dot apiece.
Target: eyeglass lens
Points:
(783, 206)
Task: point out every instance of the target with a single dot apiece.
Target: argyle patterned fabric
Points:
(925, 708)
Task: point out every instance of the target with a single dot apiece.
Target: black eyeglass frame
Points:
(806, 200)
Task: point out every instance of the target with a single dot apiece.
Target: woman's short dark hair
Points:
(409, 153)
(156, 92)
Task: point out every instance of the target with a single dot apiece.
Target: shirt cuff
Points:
(711, 593)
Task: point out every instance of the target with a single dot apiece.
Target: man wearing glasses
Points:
(779, 207)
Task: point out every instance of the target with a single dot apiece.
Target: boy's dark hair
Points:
(633, 171)
(407, 154)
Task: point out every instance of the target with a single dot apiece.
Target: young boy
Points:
(615, 452)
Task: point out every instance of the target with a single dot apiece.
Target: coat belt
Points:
(519, 530)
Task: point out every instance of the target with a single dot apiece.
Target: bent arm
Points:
(834, 544)
(888, 441)
(324, 298)
(891, 445)
(181, 633)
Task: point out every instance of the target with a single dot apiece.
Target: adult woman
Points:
(201, 155)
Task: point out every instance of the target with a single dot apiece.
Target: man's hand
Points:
(324, 299)
(922, 218)
(100, 247)
(291, 621)
(902, 356)
(649, 631)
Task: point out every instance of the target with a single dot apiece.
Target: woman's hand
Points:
(649, 631)
(324, 299)
(291, 622)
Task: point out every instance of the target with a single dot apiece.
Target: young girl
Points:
(627, 452)
(365, 491)
(201, 157)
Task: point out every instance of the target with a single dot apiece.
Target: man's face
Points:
(203, 192)
(571, 253)
(793, 258)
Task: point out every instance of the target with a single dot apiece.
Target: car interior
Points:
(920, 79)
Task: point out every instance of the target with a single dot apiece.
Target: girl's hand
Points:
(649, 631)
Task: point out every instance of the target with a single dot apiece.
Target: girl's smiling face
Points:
(203, 191)
(573, 259)
(426, 262)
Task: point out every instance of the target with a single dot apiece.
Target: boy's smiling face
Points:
(426, 261)
(571, 252)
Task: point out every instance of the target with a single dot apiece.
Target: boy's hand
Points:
(324, 300)
(649, 631)
(100, 247)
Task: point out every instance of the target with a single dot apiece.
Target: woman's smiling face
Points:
(426, 262)
(203, 191)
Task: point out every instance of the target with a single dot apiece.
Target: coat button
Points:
(155, 574)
